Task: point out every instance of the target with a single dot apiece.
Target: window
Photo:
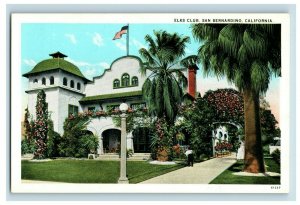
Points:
(72, 84)
(125, 80)
(44, 81)
(78, 86)
(93, 109)
(116, 83)
(112, 107)
(73, 110)
(35, 81)
(51, 80)
(65, 82)
(134, 81)
(136, 106)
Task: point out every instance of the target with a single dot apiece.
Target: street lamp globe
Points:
(123, 107)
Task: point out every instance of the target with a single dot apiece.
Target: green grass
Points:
(92, 171)
(227, 176)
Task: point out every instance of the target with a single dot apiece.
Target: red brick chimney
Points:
(192, 84)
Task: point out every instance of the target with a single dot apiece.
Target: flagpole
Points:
(127, 43)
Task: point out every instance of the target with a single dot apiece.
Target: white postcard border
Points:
(18, 187)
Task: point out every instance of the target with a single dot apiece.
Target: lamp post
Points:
(123, 178)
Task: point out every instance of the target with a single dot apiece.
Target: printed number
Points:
(275, 187)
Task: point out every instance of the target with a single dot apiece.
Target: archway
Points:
(111, 140)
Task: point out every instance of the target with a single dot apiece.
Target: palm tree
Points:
(162, 89)
(247, 55)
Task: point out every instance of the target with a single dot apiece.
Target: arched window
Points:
(65, 82)
(35, 81)
(72, 84)
(78, 86)
(43, 81)
(51, 80)
(116, 83)
(125, 80)
(134, 81)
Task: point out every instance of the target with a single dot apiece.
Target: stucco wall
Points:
(104, 84)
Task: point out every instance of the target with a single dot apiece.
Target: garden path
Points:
(200, 173)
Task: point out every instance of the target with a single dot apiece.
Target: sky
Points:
(91, 48)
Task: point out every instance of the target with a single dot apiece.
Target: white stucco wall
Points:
(104, 84)
(58, 96)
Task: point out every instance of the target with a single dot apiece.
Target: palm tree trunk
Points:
(253, 161)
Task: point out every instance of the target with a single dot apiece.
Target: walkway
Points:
(200, 173)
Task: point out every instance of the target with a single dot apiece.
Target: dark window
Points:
(51, 80)
(134, 81)
(72, 84)
(136, 106)
(91, 109)
(125, 80)
(44, 81)
(116, 83)
(65, 82)
(113, 107)
(78, 86)
(35, 81)
(73, 109)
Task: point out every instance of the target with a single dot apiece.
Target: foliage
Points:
(135, 118)
(40, 127)
(268, 126)
(228, 104)
(247, 55)
(198, 119)
(53, 141)
(223, 146)
(162, 89)
(76, 140)
(27, 126)
(27, 146)
(276, 156)
(162, 138)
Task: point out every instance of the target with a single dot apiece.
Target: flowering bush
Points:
(223, 146)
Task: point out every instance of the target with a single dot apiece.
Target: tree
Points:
(198, 123)
(40, 128)
(162, 89)
(247, 55)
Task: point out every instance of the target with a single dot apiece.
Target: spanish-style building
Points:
(68, 91)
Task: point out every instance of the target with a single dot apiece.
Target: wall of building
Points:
(104, 84)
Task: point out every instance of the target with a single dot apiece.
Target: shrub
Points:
(276, 156)
(27, 146)
(53, 141)
(76, 140)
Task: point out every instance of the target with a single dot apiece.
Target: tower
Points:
(63, 84)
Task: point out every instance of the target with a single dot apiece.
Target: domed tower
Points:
(63, 83)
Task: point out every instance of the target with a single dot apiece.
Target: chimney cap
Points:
(193, 67)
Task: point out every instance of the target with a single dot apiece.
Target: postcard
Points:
(150, 103)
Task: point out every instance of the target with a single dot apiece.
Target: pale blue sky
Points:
(91, 48)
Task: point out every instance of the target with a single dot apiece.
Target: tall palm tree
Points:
(247, 55)
(162, 89)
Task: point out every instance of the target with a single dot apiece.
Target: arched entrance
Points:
(111, 140)
(141, 140)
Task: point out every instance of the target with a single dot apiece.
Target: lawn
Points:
(92, 171)
(228, 178)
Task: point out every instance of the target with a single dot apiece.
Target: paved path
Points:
(200, 173)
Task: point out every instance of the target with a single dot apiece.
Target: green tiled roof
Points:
(56, 63)
(111, 96)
